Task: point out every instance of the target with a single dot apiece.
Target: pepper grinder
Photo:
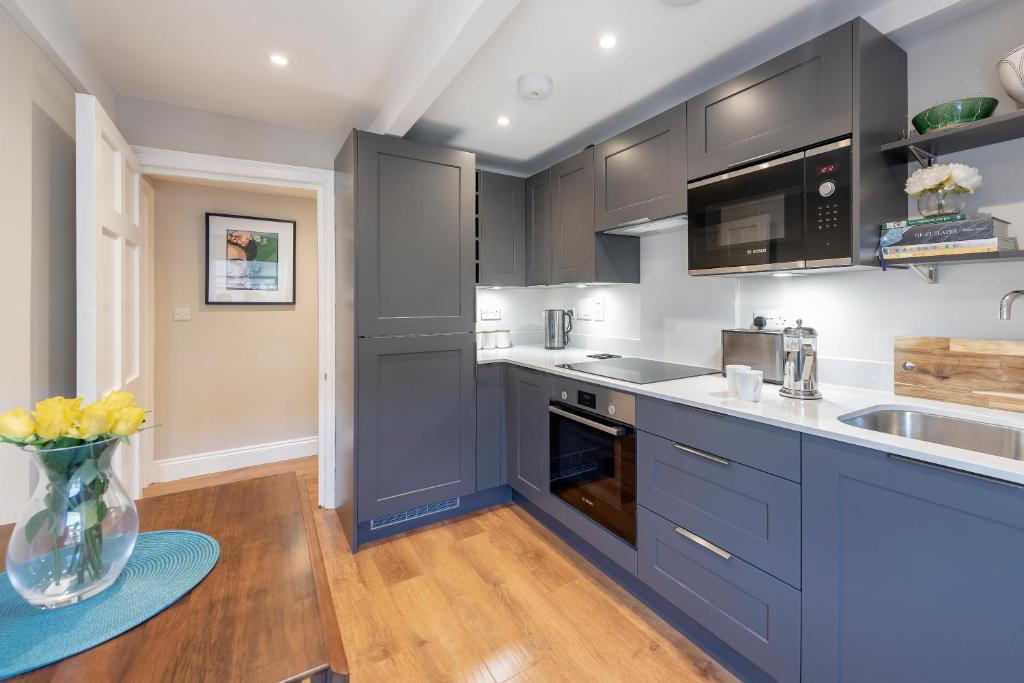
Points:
(800, 366)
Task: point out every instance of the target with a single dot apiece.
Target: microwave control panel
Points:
(827, 179)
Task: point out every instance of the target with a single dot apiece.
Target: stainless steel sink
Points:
(1006, 442)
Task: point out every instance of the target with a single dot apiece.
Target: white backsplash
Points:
(674, 316)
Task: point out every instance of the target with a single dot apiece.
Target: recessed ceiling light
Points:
(608, 41)
(279, 60)
(503, 121)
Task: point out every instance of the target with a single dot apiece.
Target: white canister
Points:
(503, 339)
(730, 376)
(487, 339)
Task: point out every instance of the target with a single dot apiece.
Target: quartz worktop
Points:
(820, 417)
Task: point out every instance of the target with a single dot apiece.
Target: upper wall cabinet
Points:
(502, 230)
(799, 98)
(414, 218)
(538, 228)
(640, 175)
(572, 218)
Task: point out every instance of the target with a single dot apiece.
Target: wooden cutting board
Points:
(978, 372)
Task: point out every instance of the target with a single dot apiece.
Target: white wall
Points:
(671, 315)
(166, 126)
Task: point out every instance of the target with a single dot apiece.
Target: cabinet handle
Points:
(701, 454)
(703, 543)
(951, 470)
(755, 158)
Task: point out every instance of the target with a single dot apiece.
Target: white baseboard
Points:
(194, 465)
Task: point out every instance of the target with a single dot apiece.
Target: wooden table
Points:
(264, 613)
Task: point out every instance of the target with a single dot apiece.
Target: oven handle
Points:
(614, 431)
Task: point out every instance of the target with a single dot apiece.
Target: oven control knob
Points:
(827, 188)
(611, 409)
(565, 395)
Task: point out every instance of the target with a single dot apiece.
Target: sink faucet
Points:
(1007, 303)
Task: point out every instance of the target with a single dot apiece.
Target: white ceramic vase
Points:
(1011, 73)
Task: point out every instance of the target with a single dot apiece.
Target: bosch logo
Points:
(757, 251)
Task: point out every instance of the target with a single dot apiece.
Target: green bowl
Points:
(955, 113)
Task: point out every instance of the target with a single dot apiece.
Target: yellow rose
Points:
(57, 416)
(116, 400)
(128, 420)
(16, 424)
(96, 419)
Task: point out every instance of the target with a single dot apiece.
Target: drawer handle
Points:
(951, 470)
(703, 543)
(701, 454)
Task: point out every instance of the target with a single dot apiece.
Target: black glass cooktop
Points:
(638, 370)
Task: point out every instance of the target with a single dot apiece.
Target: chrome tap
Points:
(1007, 303)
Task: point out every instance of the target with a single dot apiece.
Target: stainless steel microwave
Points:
(791, 212)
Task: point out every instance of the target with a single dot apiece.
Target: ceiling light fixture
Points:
(503, 121)
(608, 41)
(279, 60)
(534, 86)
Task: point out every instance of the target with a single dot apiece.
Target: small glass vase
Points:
(79, 528)
(941, 203)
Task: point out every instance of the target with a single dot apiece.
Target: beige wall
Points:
(233, 376)
(37, 343)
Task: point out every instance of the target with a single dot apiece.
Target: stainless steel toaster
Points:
(760, 349)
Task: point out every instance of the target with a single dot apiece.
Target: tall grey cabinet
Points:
(405, 346)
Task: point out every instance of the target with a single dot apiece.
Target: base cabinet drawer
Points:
(758, 615)
(753, 515)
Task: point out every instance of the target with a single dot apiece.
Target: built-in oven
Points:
(784, 213)
(593, 454)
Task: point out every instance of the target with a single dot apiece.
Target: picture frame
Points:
(250, 260)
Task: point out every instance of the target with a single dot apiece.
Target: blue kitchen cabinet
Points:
(911, 572)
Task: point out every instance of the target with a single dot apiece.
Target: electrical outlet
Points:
(490, 314)
(597, 309)
(775, 319)
(584, 308)
(182, 314)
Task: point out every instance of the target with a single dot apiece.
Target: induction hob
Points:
(638, 370)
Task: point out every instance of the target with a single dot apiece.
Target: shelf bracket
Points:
(924, 157)
(930, 274)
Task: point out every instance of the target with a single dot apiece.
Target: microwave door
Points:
(748, 220)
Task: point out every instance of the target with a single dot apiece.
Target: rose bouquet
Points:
(940, 188)
(80, 527)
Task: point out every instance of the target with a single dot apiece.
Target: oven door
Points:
(748, 220)
(593, 468)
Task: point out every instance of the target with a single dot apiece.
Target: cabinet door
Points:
(529, 428)
(640, 175)
(502, 230)
(538, 229)
(490, 426)
(415, 242)
(911, 572)
(416, 422)
(800, 98)
(572, 219)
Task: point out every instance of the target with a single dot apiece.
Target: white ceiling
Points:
(664, 54)
(212, 55)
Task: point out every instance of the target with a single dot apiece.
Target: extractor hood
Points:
(643, 227)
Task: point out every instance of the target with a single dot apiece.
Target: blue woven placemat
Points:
(164, 566)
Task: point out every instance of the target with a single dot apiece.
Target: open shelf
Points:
(955, 259)
(985, 132)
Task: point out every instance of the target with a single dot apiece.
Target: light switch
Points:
(490, 314)
(182, 313)
(597, 309)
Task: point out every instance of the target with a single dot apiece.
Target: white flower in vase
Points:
(928, 179)
(963, 178)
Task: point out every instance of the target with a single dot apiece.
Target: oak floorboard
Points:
(492, 597)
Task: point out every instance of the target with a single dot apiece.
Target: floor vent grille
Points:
(414, 513)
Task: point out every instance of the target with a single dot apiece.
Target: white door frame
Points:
(164, 162)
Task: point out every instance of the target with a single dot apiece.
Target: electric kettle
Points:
(557, 325)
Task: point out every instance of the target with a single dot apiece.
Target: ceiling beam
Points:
(449, 36)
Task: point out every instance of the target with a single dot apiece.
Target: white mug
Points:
(748, 385)
(730, 376)
(488, 339)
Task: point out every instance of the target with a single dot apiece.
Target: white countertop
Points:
(818, 417)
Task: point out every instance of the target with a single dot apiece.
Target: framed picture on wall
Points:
(249, 260)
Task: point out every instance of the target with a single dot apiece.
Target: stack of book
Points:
(945, 236)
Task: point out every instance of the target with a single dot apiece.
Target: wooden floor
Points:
(488, 598)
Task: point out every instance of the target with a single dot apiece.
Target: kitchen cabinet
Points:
(800, 98)
(538, 228)
(416, 422)
(529, 431)
(502, 214)
(414, 214)
(911, 571)
(577, 254)
(490, 426)
(640, 174)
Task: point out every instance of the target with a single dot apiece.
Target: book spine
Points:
(981, 246)
(923, 221)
